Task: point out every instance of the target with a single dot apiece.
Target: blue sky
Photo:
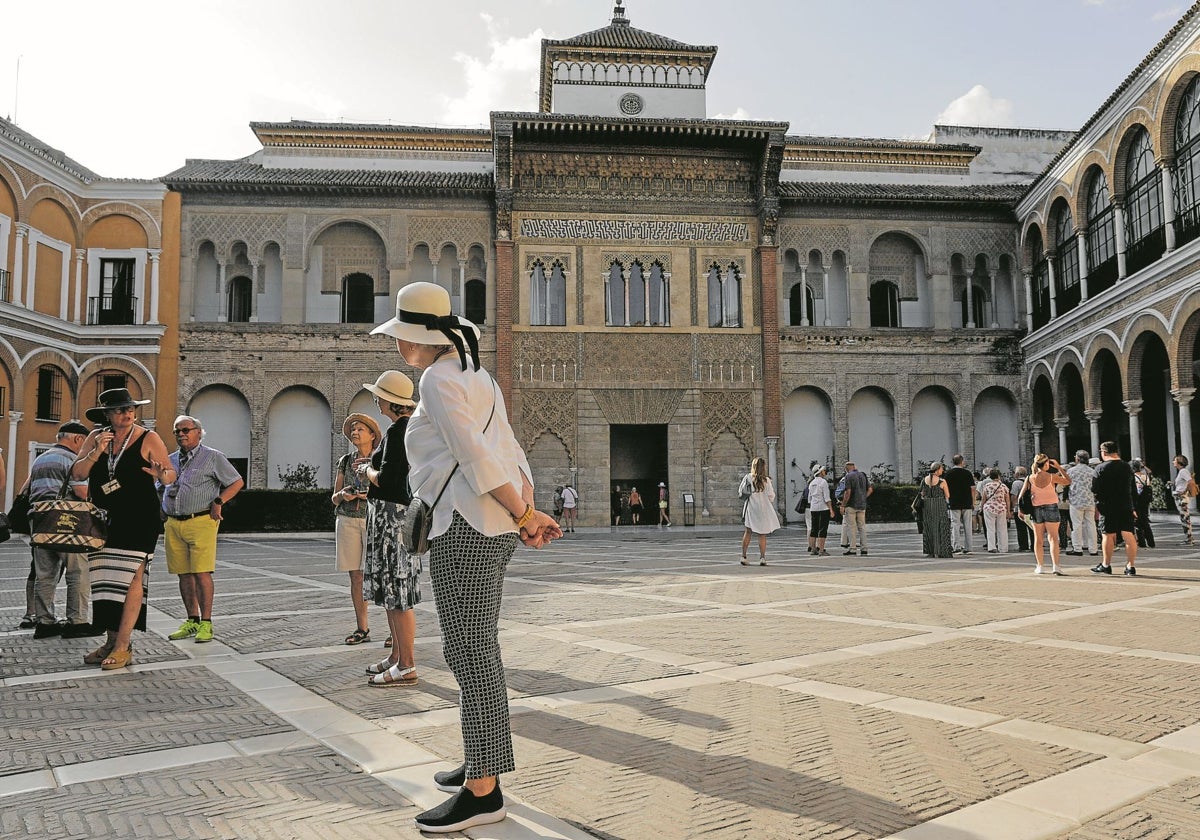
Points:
(131, 88)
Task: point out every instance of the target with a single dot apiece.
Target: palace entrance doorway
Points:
(638, 458)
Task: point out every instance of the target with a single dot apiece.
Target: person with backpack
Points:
(570, 507)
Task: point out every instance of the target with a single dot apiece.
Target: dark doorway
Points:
(638, 458)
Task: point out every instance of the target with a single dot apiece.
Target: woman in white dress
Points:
(759, 514)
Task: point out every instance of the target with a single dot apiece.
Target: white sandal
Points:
(394, 676)
(379, 667)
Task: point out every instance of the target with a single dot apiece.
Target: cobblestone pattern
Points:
(568, 607)
(1125, 697)
(26, 656)
(1068, 590)
(228, 605)
(736, 760)
(743, 592)
(915, 607)
(56, 723)
(258, 634)
(1127, 628)
(742, 638)
(301, 794)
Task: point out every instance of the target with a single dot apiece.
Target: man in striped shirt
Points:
(204, 481)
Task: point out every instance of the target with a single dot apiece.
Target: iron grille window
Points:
(1187, 161)
(885, 304)
(1041, 290)
(475, 302)
(5, 285)
(49, 393)
(116, 302)
(3, 401)
(108, 381)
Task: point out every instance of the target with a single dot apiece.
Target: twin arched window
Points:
(640, 300)
(547, 295)
(724, 296)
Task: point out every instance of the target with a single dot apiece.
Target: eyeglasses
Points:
(186, 431)
(129, 409)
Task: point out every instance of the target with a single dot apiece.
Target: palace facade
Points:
(664, 296)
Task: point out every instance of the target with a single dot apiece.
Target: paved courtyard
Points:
(659, 690)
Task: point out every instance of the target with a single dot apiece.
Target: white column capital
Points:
(1183, 396)
(1132, 407)
(80, 255)
(1093, 415)
(16, 416)
(1062, 422)
(22, 229)
(154, 254)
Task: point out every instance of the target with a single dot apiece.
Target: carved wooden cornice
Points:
(309, 135)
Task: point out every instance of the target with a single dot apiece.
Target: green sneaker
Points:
(204, 633)
(186, 630)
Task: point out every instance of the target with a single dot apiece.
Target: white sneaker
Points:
(1037, 570)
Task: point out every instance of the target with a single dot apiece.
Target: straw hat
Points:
(110, 399)
(366, 420)
(393, 386)
(423, 317)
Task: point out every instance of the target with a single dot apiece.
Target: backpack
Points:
(802, 505)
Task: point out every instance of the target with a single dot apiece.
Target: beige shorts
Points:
(350, 537)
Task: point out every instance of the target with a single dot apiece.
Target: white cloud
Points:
(977, 107)
(506, 80)
(738, 114)
(1171, 14)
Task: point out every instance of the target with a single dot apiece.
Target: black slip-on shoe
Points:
(451, 781)
(1101, 569)
(47, 631)
(28, 622)
(1131, 571)
(463, 810)
(79, 631)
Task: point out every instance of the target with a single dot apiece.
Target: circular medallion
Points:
(631, 104)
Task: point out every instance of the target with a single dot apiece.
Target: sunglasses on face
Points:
(186, 431)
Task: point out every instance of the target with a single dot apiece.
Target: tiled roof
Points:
(620, 35)
(377, 128)
(878, 143)
(54, 156)
(843, 193)
(242, 176)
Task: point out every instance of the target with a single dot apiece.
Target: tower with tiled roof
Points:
(622, 71)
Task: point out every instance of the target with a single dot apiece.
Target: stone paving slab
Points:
(921, 608)
(227, 605)
(300, 794)
(1119, 696)
(1080, 588)
(744, 592)
(56, 723)
(731, 761)
(26, 656)
(1127, 629)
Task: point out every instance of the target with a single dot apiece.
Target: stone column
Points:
(461, 298)
(18, 274)
(80, 258)
(14, 420)
(1183, 396)
(995, 314)
(1133, 408)
(1053, 281)
(1093, 418)
(941, 286)
(804, 313)
(825, 290)
(1119, 225)
(1037, 439)
(1167, 168)
(1061, 424)
(1081, 245)
(31, 240)
(1028, 275)
(969, 294)
(222, 302)
(255, 269)
(768, 264)
(154, 254)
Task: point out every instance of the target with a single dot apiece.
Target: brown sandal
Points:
(98, 655)
(117, 659)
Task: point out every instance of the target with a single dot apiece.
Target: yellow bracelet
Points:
(524, 518)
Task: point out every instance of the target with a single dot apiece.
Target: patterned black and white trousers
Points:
(467, 571)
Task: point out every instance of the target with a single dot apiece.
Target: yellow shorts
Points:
(191, 545)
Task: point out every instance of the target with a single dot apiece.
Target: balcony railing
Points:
(108, 309)
(1146, 250)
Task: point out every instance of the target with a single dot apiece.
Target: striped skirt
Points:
(112, 571)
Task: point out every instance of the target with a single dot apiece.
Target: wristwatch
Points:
(217, 501)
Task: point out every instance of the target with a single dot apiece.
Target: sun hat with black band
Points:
(423, 317)
(110, 399)
(367, 421)
(393, 386)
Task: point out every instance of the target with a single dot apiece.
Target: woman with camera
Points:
(1046, 475)
(350, 505)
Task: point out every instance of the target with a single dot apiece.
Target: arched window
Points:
(358, 299)
(659, 314)
(978, 306)
(1145, 240)
(885, 304)
(1040, 279)
(794, 313)
(547, 295)
(475, 302)
(1101, 235)
(614, 296)
(1066, 257)
(637, 296)
(240, 290)
(49, 393)
(724, 297)
(1187, 164)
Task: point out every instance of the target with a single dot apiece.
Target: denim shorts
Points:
(1045, 514)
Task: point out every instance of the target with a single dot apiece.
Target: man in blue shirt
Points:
(46, 477)
(204, 481)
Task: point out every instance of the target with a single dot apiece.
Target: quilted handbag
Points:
(68, 524)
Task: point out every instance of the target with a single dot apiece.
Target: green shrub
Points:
(253, 511)
(891, 503)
